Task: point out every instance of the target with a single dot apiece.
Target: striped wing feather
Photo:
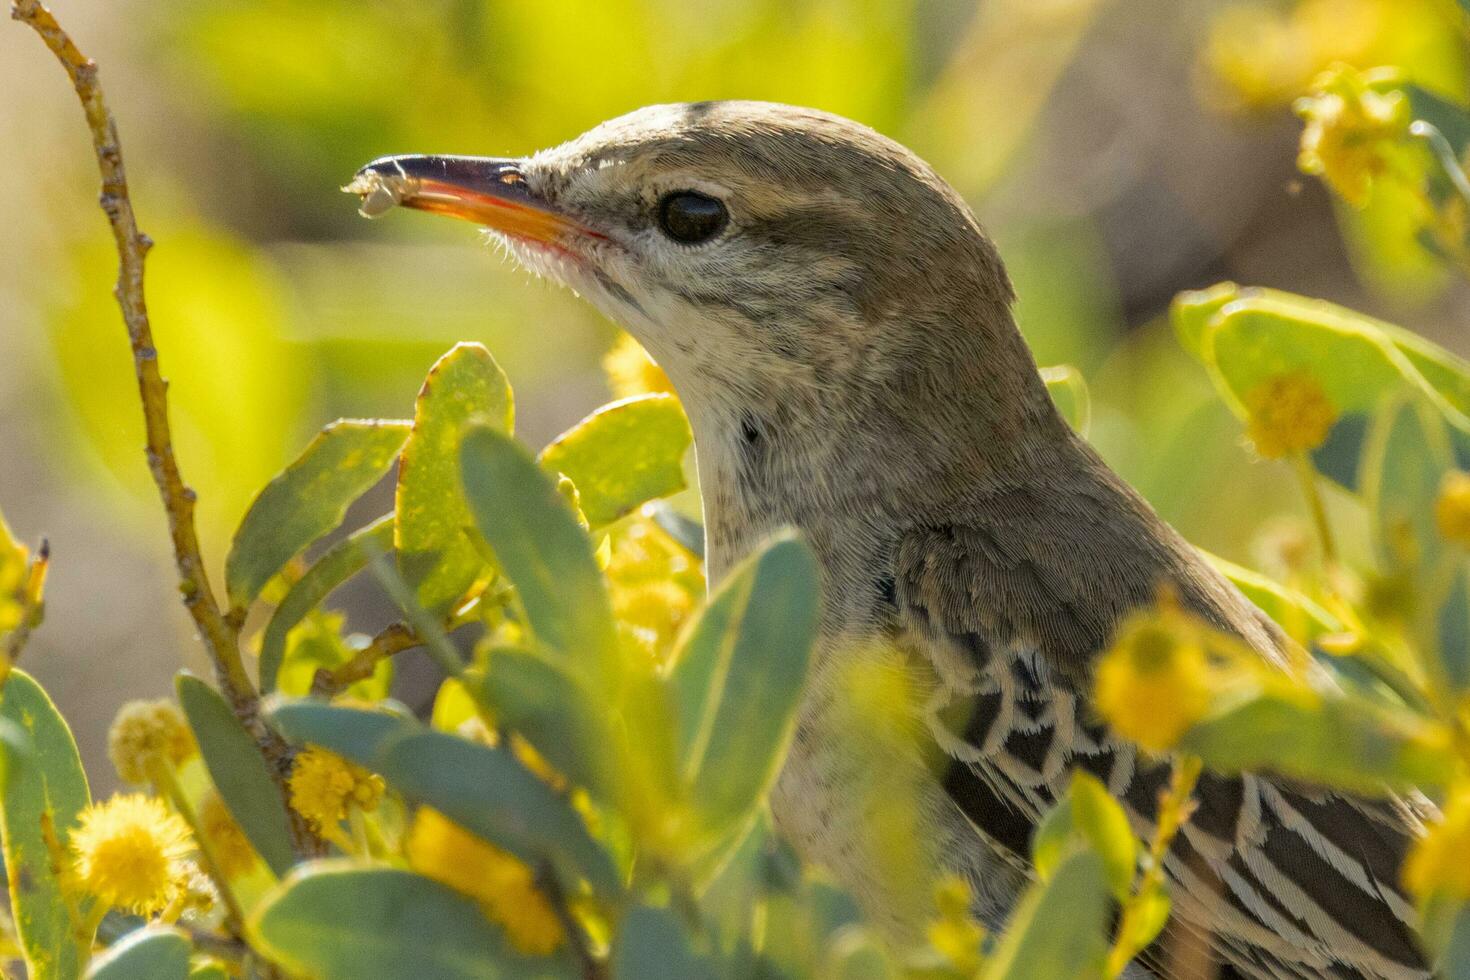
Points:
(1269, 879)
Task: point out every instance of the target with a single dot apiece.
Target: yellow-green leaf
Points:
(623, 455)
(435, 556)
(46, 782)
(307, 500)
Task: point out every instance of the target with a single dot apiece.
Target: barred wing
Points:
(1270, 880)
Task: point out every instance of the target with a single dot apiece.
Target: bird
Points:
(840, 331)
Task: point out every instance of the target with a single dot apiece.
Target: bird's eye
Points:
(690, 217)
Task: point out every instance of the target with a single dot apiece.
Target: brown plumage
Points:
(840, 330)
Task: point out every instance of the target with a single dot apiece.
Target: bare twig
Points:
(221, 636)
(581, 945)
(393, 640)
(132, 245)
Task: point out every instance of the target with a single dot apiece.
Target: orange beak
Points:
(488, 191)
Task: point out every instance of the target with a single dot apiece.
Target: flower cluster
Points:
(1288, 414)
(1356, 125)
(1452, 509)
(145, 734)
(505, 888)
(324, 785)
(1154, 682)
(130, 853)
(630, 371)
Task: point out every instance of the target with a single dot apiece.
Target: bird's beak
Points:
(488, 191)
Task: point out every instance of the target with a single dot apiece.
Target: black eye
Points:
(691, 217)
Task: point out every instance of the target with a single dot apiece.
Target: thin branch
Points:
(132, 246)
(581, 945)
(393, 640)
(221, 636)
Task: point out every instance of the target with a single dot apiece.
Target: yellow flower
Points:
(1452, 509)
(955, 935)
(1352, 130)
(1289, 413)
(439, 848)
(323, 785)
(145, 733)
(1153, 683)
(227, 842)
(630, 371)
(654, 584)
(1438, 864)
(130, 852)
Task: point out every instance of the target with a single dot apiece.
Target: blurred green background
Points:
(1118, 150)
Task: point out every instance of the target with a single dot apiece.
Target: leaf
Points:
(343, 560)
(238, 771)
(653, 945)
(1343, 742)
(738, 678)
(1068, 389)
(1453, 633)
(541, 548)
(339, 920)
(488, 792)
(1059, 926)
(1404, 461)
(1302, 618)
(1088, 816)
(553, 712)
(1246, 336)
(358, 734)
(435, 557)
(47, 781)
(150, 953)
(623, 455)
(307, 500)
(485, 790)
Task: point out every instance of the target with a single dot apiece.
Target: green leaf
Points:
(46, 781)
(435, 557)
(238, 771)
(1344, 742)
(652, 945)
(358, 734)
(1453, 633)
(307, 500)
(1088, 816)
(552, 711)
(738, 678)
(1059, 927)
(1068, 389)
(150, 953)
(623, 455)
(1296, 612)
(541, 548)
(339, 920)
(490, 793)
(341, 562)
(1248, 336)
(485, 790)
(1455, 962)
(1404, 462)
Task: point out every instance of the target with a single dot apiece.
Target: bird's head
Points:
(759, 251)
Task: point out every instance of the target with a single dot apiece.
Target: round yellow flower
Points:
(630, 371)
(1289, 413)
(439, 848)
(145, 732)
(954, 934)
(1452, 509)
(323, 785)
(1351, 132)
(130, 852)
(1152, 684)
(227, 842)
(1437, 865)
